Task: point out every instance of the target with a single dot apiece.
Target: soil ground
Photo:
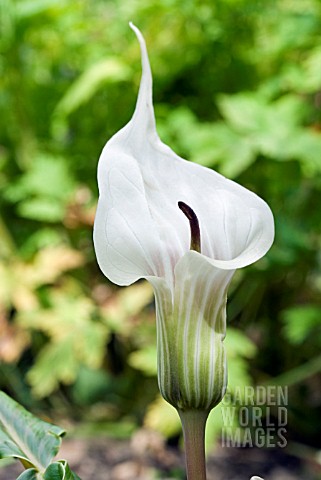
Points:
(147, 457)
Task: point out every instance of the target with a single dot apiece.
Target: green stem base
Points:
(193, 423)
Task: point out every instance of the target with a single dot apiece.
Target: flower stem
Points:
(193, 423)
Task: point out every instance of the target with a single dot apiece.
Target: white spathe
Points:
(140, 232)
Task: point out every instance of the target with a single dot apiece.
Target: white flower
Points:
(140, 232)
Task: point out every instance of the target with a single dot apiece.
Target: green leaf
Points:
(300, 322)
(238, 344)
(69, 475)
(42, 209)
(48, 176)
(162, 417)
(245, 111)
(23, 436)
(310, 80)
(272, 128)
(234, 152)
(59, 471)
(239, 348)
(145, 360)
(108, 70)
(75, 340)
(214, 426)
(55, 471)
(27, 9)
(56, 362)
(30, 474)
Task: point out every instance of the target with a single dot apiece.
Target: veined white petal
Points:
(123, 253)
(139, 230)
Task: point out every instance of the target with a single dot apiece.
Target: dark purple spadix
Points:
(194, 226)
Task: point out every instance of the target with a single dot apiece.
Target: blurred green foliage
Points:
(237, 87)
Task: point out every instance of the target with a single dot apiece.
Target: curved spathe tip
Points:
(135, 29)
(144, 112)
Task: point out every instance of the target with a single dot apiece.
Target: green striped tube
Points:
(191, 325)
